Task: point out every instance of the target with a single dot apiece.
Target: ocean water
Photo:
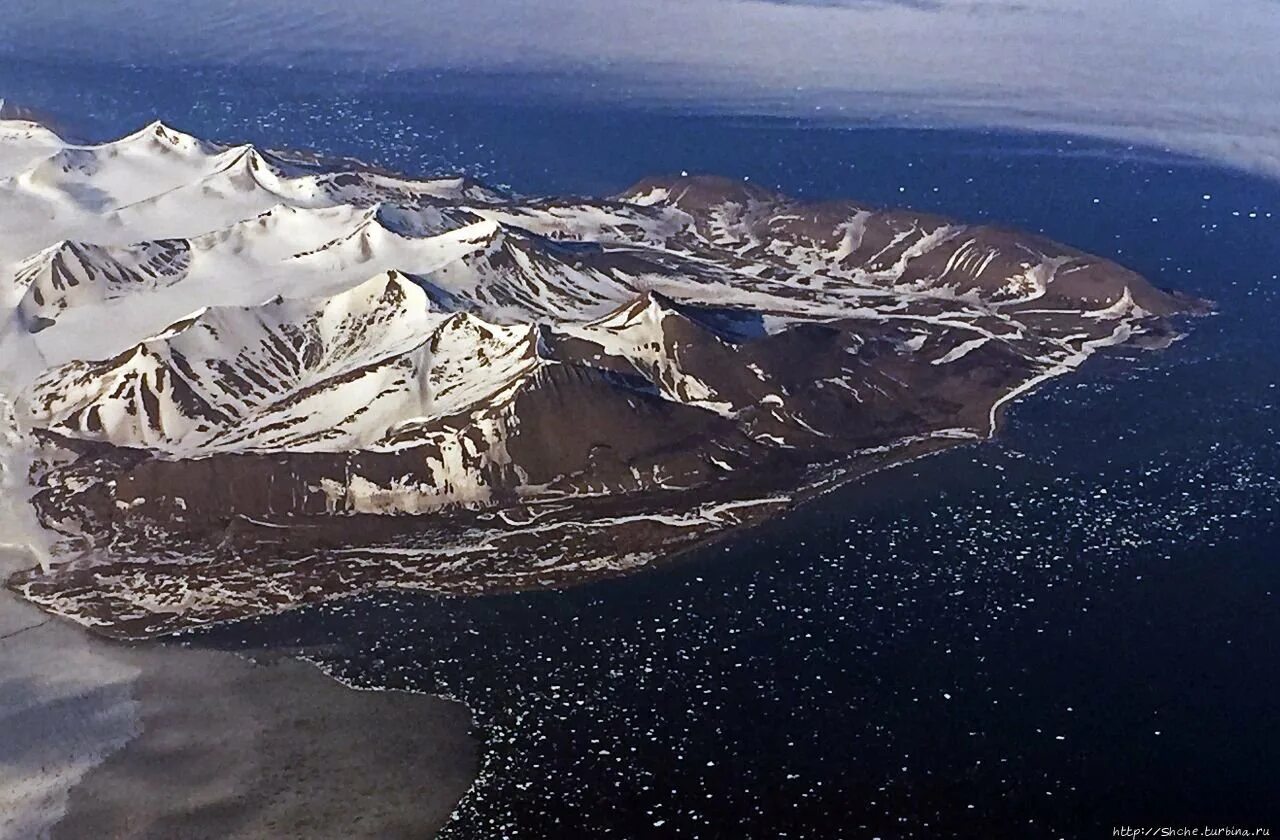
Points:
(1070, 629)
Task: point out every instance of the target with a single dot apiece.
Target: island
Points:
(237, 380)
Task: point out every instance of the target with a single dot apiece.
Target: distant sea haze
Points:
(1187, 75)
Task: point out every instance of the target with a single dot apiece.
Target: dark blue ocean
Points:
(1073, 628)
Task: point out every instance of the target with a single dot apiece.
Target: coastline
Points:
(774, 503)
(152, 740)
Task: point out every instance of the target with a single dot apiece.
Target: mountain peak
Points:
(168, 138)
(696, 192)
(652, 307)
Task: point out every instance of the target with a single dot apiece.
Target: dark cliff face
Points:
(561, 390)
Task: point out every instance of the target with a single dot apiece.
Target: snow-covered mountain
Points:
(253, 378)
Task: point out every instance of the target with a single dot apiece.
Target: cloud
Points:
(1187, 74)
